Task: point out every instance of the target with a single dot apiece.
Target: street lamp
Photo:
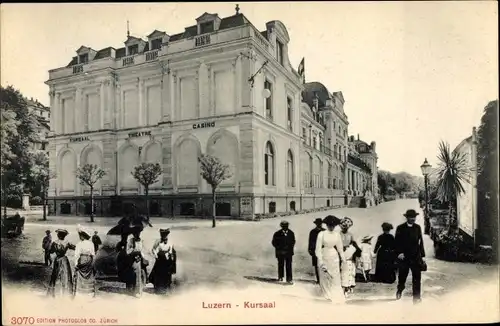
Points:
(426, 170)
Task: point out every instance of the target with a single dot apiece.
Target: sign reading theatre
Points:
(78, 139)
(204, 125)
(139, 134)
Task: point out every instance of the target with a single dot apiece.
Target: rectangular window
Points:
(207, 27)
(304, 135)
(279, 52)
(156, 44)
(266, 171)
(289, 112)
(84, 58)
(133, 49)
(269, 100)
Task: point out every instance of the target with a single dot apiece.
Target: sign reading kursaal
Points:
(204, 125)
(78, 139)
(139, 134)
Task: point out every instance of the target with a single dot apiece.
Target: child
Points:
(365, 262)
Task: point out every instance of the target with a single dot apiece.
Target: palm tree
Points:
(451, 172)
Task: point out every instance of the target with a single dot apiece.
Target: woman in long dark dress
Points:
(165, 264)
(385, 271)
(61, 279)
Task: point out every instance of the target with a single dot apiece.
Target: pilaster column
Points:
(109, 122)
(60, 116)
(53, 114)
(211, 91)
(174, 96)
(203, 89)
(103, 109)
(142, 114)
(197, 98)
(166, 94)
(81, 116)
(238, 86)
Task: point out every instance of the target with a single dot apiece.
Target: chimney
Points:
(358, 136)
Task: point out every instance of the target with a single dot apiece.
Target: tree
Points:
(41, 174)
(214, 172)
(147, 174)
(89, 175)
(487, 179)
(8, 128)
(451, 173)
(18, 131)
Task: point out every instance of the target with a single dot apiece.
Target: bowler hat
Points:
(318, 221)
(410, 213)
(283, 223)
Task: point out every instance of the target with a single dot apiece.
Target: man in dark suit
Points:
(283, 242)
(313, 236)
(410, 252)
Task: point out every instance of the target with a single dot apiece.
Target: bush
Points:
(36, 201)
(450, 245)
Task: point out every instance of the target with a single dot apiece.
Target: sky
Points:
(412, 73)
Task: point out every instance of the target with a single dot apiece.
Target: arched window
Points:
(269, 165)
(290, 170)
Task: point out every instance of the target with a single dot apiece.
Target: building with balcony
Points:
(221, 87)
(335, 167)
(363, 167)
(167, 99)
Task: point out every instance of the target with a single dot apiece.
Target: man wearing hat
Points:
(313, 236)
(410, 252)
(284, 242)
(46, 244)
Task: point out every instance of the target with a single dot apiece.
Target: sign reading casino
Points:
(204, 125)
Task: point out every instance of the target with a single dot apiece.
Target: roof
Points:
(359, 163)
(313, 89)
(191, 31)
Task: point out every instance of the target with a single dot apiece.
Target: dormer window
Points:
(133, 49)
(279, 52)
(207, 27)
(84, 58)
(156, 44)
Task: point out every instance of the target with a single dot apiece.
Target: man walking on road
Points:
(284, 242)
(410, 252)
(313, 236)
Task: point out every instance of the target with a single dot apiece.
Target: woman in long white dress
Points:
(84, 280)
(329, 251)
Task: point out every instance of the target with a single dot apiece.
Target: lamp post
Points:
(426, 169)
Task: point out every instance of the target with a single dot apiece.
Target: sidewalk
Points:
(157, 222)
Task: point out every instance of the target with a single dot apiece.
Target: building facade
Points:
(467, 201)
(221, 87)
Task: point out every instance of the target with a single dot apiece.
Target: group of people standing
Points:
(131, 262)
(63, 281)
(337, 257)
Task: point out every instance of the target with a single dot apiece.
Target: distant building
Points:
(43, 117)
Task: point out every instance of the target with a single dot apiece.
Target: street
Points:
(236, 260)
